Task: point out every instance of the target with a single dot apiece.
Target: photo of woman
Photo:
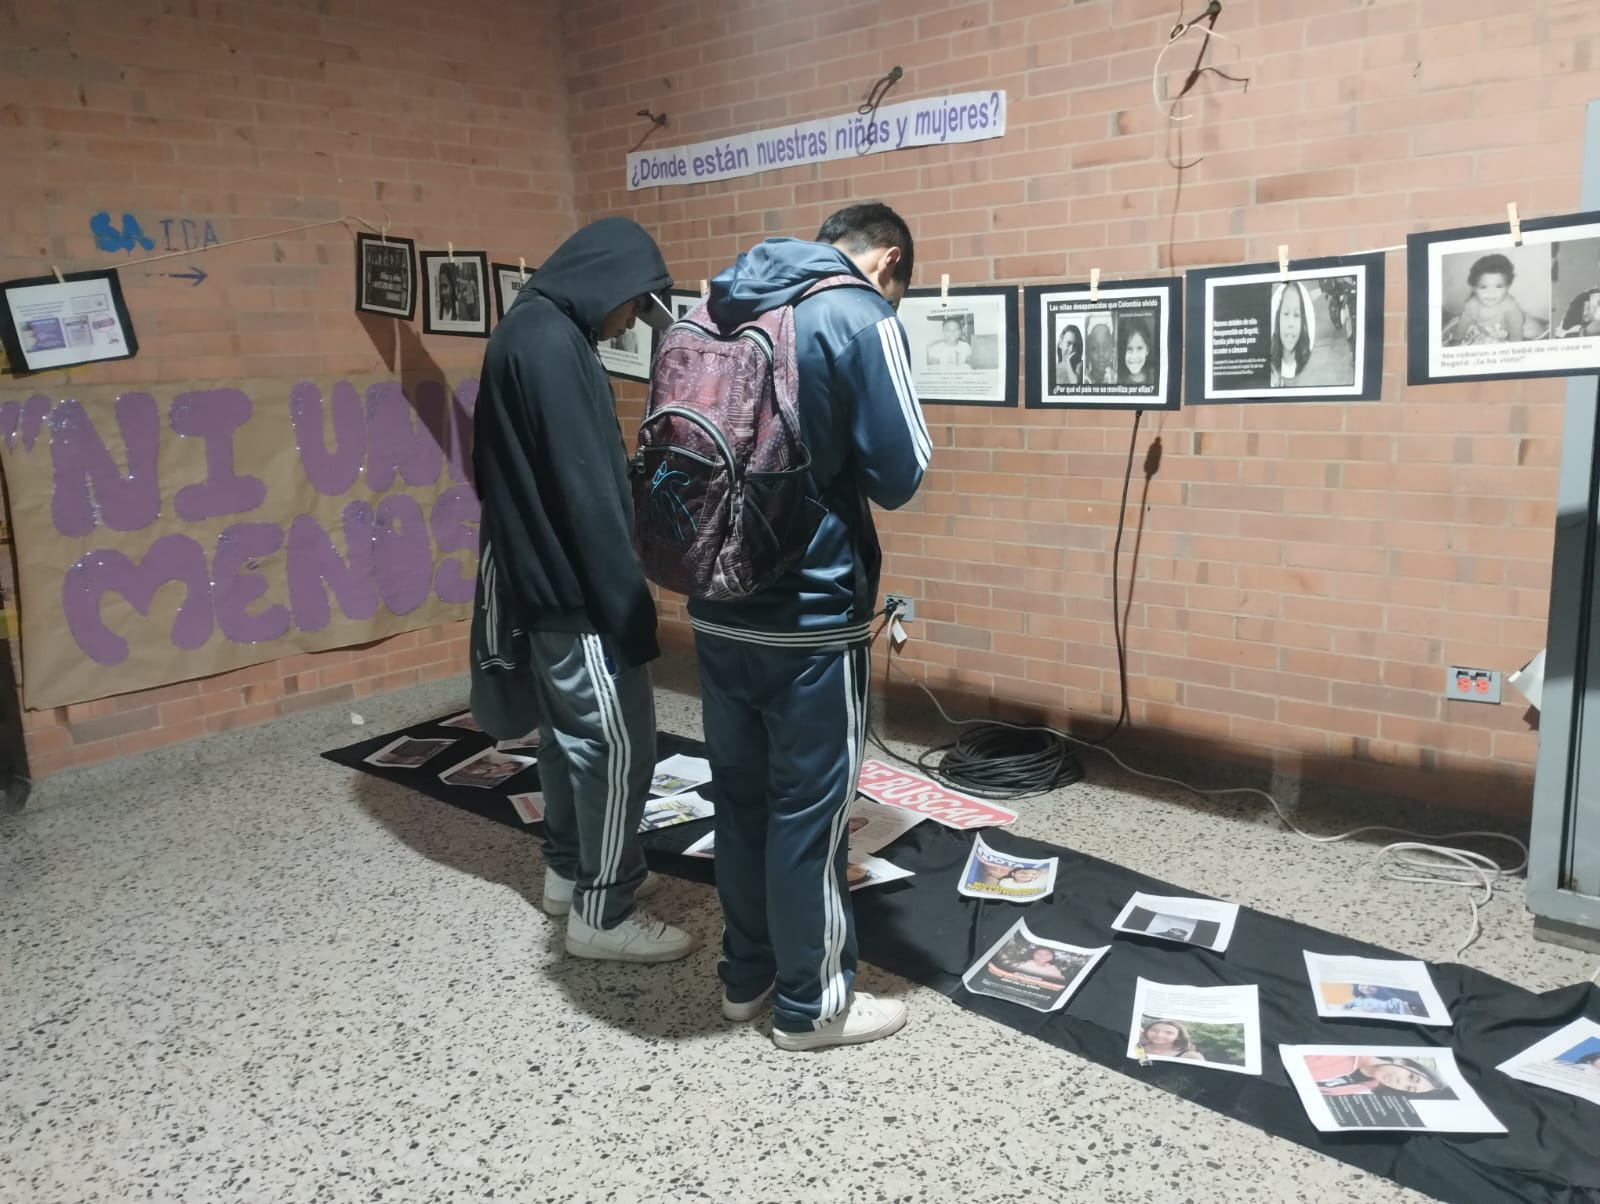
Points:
(1359, 1074)
(1069, 354)
(1168, 1039)
(1383, 1001)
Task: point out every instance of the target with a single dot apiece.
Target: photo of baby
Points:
(1499, 297)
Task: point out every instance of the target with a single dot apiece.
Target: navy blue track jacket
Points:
(860, 417)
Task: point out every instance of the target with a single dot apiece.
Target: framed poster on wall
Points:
(964, 344)
(1117, 347)
(457, 296)
(1483, 306)
(80, 318)
(508, 278)
(1313, 333)
(386, 276)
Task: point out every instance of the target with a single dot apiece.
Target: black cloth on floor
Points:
(922, 929)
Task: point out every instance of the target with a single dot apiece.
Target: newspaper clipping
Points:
(1027, 969)
(993, 875)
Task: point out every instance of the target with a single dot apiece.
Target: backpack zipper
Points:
(710, 428)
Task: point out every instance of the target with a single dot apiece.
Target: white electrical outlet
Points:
(907, 606)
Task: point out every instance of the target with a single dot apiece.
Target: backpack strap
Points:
(839, 280)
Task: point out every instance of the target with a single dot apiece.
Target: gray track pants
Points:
(597, 754)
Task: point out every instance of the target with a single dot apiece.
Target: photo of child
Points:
(1102, 351)
(1576, 271)
(1192, 1041)
(1137, 358)
(953, 349)
(408, 753)
(1496, 297)
(486, 770)
(1293, 332)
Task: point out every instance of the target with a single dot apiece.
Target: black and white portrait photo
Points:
(1114, 347)
(508, 279)
(963, 345)
(386, 281)
(631, 353)
(1313, 333)
(457, 299)
(683, 302)
(1483, 305)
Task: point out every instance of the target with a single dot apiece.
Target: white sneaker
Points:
(865, 1018)
(639, 938)
(739, 1013)
(557, 900)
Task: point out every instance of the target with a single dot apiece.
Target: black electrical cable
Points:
(991, 759)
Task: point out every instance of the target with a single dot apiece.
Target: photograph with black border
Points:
(1482, 305)
(508, 278)
(964, 344)
(1112, 348)
(82, 318)
(683, 302)
(386, 276)
(455, 298)
(631, 353)
(1258, 334)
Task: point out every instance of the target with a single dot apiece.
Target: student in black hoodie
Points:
(562, 609)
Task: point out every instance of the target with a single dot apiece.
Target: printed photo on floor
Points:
(1030, 970)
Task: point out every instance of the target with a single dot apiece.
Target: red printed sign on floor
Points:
(923, 796)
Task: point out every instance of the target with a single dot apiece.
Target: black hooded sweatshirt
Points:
(556, 541)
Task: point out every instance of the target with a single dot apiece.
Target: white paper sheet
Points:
(1364, 1088)
(704, 847)
(1204, 922)
(678, 773)
(863, 870)
(1215, 1027)
(529, 807)
(1375, 989)
(486, 770)
(1031, 970)
(1568, 1060)
(407, 752)
(873, 826)
(673, 810)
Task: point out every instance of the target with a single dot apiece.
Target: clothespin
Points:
(1094, 284)
(705, 288)
(57, 271)
(897, 634)
(522, 266)
(944, 288)
(451, 247)
(1516, 224)
(383, 234)
(1283, 260)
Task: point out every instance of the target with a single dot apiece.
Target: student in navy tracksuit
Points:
(784, 673)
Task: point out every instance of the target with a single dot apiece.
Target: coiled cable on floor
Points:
(996, 761)
(989, 758)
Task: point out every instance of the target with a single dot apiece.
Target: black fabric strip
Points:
(921, 929)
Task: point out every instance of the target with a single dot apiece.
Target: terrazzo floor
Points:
(237, 972)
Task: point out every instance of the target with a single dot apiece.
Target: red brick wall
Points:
(449, 120)
(1304, 572)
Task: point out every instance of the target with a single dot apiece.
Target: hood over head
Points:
(773, 273)
(606, 264)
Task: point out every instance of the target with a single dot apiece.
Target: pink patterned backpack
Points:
(721, 475)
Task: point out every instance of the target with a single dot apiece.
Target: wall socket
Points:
(908, 606)
(1472, 685)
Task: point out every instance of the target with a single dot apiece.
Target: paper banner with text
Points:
(164, 538)
(968, 117)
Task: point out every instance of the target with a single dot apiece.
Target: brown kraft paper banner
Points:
(165, 537)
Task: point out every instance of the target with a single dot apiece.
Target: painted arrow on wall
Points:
(194, 274)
